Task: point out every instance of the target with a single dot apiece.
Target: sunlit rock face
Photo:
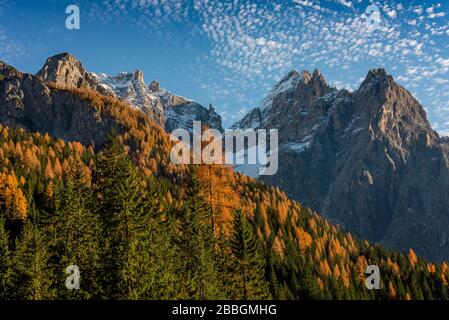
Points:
(367, 159)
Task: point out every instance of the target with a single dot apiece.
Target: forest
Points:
(203, 232)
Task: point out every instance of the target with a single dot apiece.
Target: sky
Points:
(229, 53)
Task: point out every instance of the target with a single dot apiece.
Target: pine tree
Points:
(32, 277)
(161, 271)
(6, 270)
(412, 258)
(119, 196)
(391, 290)
(78, 229)
(196, 246)
(249, 264)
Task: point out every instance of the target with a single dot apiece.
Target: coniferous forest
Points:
(136, 226)
(249, 153)
(142, 236)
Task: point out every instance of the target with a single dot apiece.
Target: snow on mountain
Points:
(368, 159)
(283, 90)
(168, 110)
(131, 87)
(288, 83)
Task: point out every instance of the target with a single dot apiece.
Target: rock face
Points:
(65, 69)
(131, 87)
(166, 109)
(368, 159)
(182, 116)
(29, 103)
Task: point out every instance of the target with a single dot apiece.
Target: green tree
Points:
(249, 263)
(78, 229)
(32, 277)
(199, 272)
(119, 197)
(6, 270)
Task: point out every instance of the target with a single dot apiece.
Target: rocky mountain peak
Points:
(7, 71)
(154, 86)
(306, 76)
(66, 70)
(166, 109)
(139, 76)
(391, 107)
(63, 69)
(318, 77)
(368, 160)
(376, 77)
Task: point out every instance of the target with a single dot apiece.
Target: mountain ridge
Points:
(166, 109)
(305, 255)
(355, 152)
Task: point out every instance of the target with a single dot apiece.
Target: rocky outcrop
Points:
(368, 159)
(166, 109)
(28, 102)
(131, 87)
(65, 70)
(182, 116)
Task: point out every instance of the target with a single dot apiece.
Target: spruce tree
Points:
(119, 196)
(249, 263)
(161, 272)
(78, 236)
(6, 270)
(199, 276)
(32, 277)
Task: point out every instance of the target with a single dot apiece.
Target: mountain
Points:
(368, 159)
(65, 69)
(71, 195)
(32, 104)
(166, 109)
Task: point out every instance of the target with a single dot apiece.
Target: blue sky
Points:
(230, 53)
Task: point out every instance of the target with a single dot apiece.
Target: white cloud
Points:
(443, 62)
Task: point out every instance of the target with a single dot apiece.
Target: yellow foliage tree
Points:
(325, 270)
(49, 174)
(304, 239)
(391, 290)
(412, 258)
(12, 197)
(336, 272)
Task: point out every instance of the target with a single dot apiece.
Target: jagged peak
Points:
(4, 65)
(306, 76)
(154, 86)
(378, 72)
(64, 68)
(7, 70)
(60, 58)
(136, 75)
(317, 73)
(376, 75)
(139, 75)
